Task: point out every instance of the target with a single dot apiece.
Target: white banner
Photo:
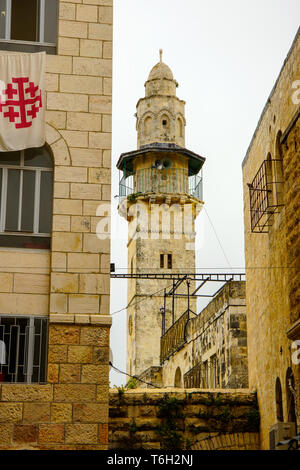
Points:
(22, 101)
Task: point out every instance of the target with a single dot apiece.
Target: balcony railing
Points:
(166, 180)
(174, 338)
(192, 378)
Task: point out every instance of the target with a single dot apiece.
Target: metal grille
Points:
(166, 180)
(266, 195)
(174, 338)
(23, 349)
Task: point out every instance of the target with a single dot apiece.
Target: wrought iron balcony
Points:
(166, 180)
(174, 338)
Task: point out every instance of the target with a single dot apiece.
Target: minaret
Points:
(160, 196)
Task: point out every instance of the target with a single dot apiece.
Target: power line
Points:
(215, 232)
(133, 376)
(142, 300)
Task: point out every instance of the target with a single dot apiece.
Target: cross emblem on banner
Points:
(22, 103)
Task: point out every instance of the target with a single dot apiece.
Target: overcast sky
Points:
(226, 56)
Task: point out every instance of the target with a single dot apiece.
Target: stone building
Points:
(54, 271)
(272, 250)
(160, 196)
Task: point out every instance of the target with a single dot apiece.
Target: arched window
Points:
(279, 171)
(26, 182)
(165, 123)
(178, 380)
(290, 384)
(278, 393)
(179, 127)
(148, 125)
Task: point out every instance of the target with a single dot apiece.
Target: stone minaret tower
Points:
(160, 196)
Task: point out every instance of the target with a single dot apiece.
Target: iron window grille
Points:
(26, 182)
(23, 349)
(28, 26)
(266, 195)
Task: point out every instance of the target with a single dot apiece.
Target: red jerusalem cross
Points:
(26, 108)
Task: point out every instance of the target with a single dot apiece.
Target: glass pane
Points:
(50, 21)
(28, 201)
(10, 158)
(12, 205)
(39, 157)
(24, 25)
(2, 18)
(46, 202)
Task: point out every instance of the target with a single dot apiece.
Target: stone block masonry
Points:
(69, 412)
(188, 419)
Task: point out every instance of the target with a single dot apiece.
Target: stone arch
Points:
(58, 146)
(278, 170)
(278, 395)
(290, 400)
(178, 378)
(179, 126)
(165, 122)
(148, 124)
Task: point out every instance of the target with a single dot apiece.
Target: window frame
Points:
(29, 349)
(37, 197)
(40, 43)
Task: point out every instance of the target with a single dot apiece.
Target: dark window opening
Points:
(28, 26)
(23, 349)
(279, 409)
(169, 261)
(162, 263)
(164, 122)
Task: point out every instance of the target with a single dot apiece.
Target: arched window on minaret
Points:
(148, 125)
(165, 123)
(179, 127)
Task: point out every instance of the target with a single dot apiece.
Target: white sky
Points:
(226, 56)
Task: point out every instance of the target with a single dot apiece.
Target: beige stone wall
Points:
(268, 273)
(70, 283)
(219, 331)
(206, 420)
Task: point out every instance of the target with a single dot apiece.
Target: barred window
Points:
(23, 349)
(26, 182)
(28, 26)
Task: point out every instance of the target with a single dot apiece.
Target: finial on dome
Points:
(160, 55)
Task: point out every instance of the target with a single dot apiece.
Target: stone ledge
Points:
(293, 332)
(79, 319)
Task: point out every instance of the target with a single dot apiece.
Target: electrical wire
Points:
(133, 376)
(142, 300)
(215, 232)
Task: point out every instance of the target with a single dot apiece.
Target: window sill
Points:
(26, 46)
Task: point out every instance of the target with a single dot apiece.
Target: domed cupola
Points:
(160, 115)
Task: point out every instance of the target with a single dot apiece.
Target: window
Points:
(28, 26)
(26, 182)
(278, 391)
(263, 203)
(169, 261)
(23, 349)
(162, 261)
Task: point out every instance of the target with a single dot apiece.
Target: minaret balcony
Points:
(161, 181)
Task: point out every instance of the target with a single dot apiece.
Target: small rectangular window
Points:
(23, 349)
(169, 261)
(162, 260)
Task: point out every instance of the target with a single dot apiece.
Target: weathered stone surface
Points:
(24, 393)
(81, 433)
(51, 433)
(91, 412)
(25, 433)
(74, 392)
